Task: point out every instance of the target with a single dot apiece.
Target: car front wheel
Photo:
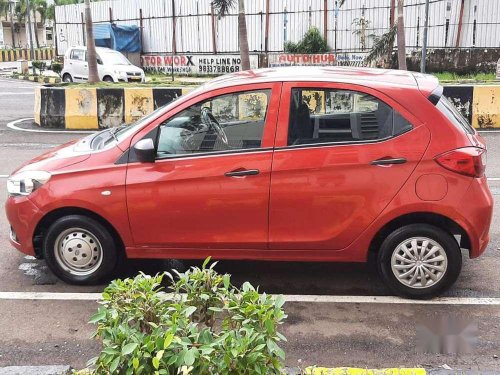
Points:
(80, 250)
(419, 261)
(67, 78)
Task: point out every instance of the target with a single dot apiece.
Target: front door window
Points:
(225, 123)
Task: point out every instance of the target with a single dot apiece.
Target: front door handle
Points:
(388, 161)
(242, 173)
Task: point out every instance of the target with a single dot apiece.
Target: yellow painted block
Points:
(361, 371)
(38, 104)
(186, 90)
(486, 107)
(138, 103)
(81, 109)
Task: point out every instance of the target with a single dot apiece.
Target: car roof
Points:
(370, 77)
(98, 49)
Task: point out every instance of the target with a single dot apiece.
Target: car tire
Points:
(108, 79)
(80, 250)
(419, 252)
(67, 78)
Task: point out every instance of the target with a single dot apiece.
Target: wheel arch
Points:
(58, 213)
(440, 221)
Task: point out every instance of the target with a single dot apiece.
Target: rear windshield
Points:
(452, 113)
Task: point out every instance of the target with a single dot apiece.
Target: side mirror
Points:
(145, 150)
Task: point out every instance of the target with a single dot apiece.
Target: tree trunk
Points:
(35, 29)
(401, 37)
(12, 26)
(243, 37)
(91, 53)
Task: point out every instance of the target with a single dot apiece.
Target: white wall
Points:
(194, 32)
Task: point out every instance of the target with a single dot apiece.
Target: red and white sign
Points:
(195, 64)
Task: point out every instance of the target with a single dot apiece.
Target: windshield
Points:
(114, 58)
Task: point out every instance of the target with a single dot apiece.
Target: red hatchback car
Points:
(296, 164)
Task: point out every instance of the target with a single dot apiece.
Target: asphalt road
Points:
(39, 332)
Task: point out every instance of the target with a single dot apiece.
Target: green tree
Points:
(312, 42)
(222, 7)
(5, 10)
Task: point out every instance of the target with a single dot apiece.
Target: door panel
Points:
(191, 203)
(214, 198)
(323, 196)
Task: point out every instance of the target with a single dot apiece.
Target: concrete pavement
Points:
(363, 334)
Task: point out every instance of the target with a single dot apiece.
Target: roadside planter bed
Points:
(93, 108)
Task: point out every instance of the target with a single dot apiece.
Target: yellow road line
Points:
(361, 371)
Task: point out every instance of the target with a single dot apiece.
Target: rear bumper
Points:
(477, 211)
(23, 216)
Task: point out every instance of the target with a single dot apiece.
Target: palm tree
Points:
(383, 45)
(401, 37)
(5, 10)
(40, 7)
(91, 53)
(222, 7)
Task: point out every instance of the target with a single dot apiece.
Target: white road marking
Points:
(493, 178)
(4, 175)
(288, 298)
(17, 93)
(12, 125)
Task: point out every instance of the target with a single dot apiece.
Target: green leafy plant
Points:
(40, 65)
(382, 47)
(204, 325)
(56, 67)
(312, 42)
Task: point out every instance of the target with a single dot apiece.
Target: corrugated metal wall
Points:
(288, 21)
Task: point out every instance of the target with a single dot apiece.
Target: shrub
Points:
(312, 42)
(56, 67)
(40, 65)
(204, 326)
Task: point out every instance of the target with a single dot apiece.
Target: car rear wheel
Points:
(80, 250)
(419, 261)
(108, 79)
(67, 78)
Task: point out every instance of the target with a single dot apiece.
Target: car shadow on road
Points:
(271, 277)
(282, 277)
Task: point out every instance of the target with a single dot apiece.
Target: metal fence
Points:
(352, 27)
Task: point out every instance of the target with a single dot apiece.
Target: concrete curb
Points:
(92, 108)
(103, 107)
(362, 371)
(39, 79)
(35, 370)
(10, 55)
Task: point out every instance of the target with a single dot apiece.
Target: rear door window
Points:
(332, 116)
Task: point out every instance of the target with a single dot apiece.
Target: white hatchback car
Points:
(112, 66)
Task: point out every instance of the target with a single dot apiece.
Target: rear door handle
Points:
(242, 173)
(388, 161)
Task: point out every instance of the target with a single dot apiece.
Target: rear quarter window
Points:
(454, 115)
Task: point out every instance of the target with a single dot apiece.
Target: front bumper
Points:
(23, 216)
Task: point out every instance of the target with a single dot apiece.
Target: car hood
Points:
(127, 68)
(59, 157)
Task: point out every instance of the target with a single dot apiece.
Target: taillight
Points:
(469, 161)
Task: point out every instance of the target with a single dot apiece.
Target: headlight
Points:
(25, 183)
